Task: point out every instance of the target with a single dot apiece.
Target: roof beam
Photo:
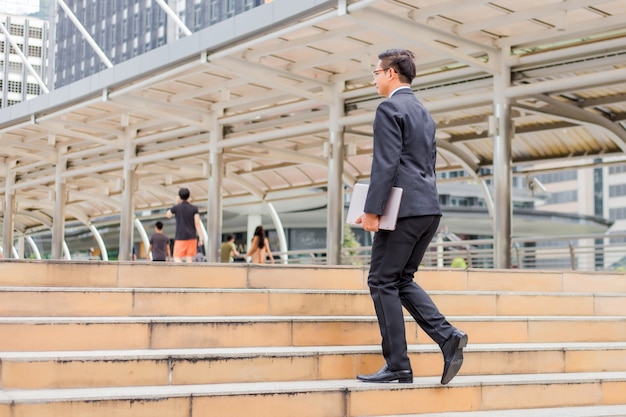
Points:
(524, 15)
(434, 39)
(577, 115)
(263, 75)
(302, 42)
(445, 6)
(546, 37)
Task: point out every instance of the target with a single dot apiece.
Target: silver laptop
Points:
(390, 216)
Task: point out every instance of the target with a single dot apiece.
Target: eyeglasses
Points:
(376, 72)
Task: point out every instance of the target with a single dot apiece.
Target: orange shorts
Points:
(185, 248)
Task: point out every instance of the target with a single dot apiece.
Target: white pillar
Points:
(212, 240)
(334, 214)
(9, 210)
(60, 201)
(502, 167)
(127, 213)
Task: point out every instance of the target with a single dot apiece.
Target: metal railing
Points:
(594, 252)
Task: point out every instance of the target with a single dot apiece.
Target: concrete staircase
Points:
(122, 339)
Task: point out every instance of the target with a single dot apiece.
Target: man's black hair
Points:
(402, 61)
(184, 194)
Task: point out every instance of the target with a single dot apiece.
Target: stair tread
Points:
(152, 392)
(584, 411)
(235, 352)
(266, 318)
(169, 290)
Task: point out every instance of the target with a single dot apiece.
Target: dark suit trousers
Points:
(396, 255)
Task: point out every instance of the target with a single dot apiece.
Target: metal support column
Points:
(143, 235)
(127, 214)
(214, 202)
(9, 210)
(280, 232)
(96, 234)
(503, 135)
(335, 219)
(33, 247)
(60, 201)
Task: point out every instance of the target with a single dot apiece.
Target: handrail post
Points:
(572, 255)
(517, 254)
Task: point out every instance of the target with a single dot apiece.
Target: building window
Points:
(617, 169)
(35, 33)
(13, 51)
(14, 86)
(135, 25)
(148, 19)
(34, 51)
(230, 8)
(614, 240)
(560, 176)
(215, 11)
(15, 67)
(16, 30)
(33, 89)
(563, 197)
(618, 213)
(198, 16)
(617, 190)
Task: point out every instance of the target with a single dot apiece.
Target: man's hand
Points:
(369, 222)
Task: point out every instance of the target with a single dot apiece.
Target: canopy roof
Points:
(266, 83)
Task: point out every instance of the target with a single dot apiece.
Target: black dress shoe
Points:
(452, 351)
(385, 375)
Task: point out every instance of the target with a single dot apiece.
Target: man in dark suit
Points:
(404, 156)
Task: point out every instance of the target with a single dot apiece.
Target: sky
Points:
(19, 7)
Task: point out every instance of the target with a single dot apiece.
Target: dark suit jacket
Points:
(404, 156)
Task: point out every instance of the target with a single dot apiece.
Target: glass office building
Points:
(51, 35)
(124, 29)
(28, 38)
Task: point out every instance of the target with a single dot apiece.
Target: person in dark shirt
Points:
(159, 244)
(187, 227)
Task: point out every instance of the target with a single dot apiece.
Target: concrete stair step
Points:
(24, 273)
(38, 301)
(593, 411)
(97, 333)
(331, 398)
(74, 369)
(177, 275)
